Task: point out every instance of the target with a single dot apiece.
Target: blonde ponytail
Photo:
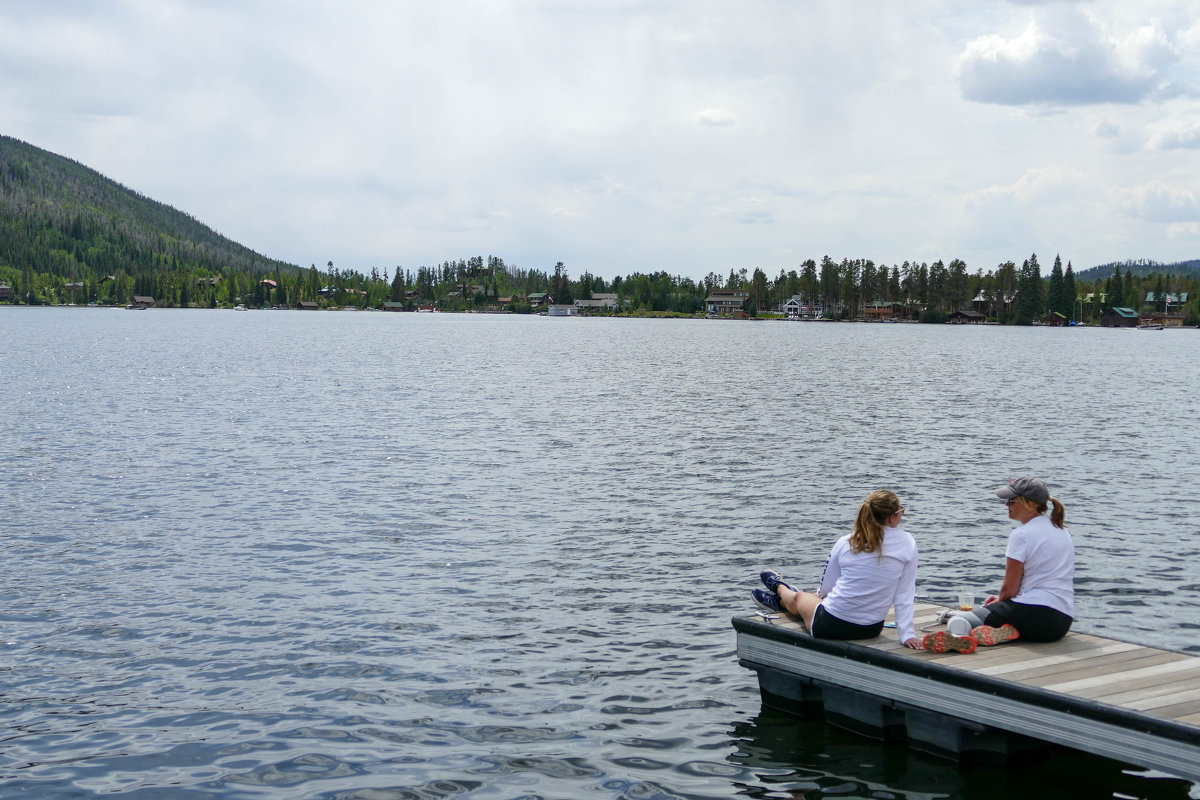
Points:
(867, 536)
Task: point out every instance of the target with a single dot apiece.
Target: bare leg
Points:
(802, 604)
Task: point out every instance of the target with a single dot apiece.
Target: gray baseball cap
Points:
(1030, 488)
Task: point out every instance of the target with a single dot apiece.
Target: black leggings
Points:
(1035, 623)
(827, 626)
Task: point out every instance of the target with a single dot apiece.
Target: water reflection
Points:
(811, 759)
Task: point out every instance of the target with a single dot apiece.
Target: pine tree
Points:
(1069, 289)
(1030, 303)
(1056, 295)
(397, 293)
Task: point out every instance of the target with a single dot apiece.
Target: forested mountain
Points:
(62, 219)
(1140, 267)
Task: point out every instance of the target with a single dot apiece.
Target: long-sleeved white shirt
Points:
(861, 587)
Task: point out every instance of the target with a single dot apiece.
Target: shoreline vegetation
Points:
(70, 236)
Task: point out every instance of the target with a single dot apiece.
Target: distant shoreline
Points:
(618, 315)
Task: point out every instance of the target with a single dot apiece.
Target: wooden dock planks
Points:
(1081, 686)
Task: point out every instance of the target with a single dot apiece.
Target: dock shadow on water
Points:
(809, 759)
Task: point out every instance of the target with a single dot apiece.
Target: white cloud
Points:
(716, 118)
(1189, 231)
(1158, 202)
(1177, 137)
(1064, 59)
(1033, 188)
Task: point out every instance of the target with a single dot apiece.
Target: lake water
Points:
(413, 556)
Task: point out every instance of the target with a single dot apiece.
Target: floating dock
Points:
(1139, 705)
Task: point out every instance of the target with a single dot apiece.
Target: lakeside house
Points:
(1168, 299)
(1164, 319)
(309, 305)
(993, 303)
(879, 310)
(1119, 317)
(725, 302)
(393, 305)
(600, 301)
(141, 301)
(6, 292)
(539, 299)
(967, 317)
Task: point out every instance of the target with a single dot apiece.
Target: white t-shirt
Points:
(1049, 558)
(861, 587)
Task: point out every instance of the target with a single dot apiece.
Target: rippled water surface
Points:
(384, 556)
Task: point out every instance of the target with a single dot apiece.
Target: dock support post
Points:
(966, 741)
(789, 693)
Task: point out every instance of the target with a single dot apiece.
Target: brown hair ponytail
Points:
(1058, 517)
(868, 525)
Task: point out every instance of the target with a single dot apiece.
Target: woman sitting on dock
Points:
(1037, 597)
(868, 572)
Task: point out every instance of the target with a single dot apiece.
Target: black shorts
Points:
(1034, 623)
(827, 626)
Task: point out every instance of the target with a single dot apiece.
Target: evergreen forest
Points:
(69, 235)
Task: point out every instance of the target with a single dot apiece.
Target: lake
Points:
(378, 556)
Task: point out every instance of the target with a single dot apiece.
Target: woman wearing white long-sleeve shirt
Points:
(869, 571)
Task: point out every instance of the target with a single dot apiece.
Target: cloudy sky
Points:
(632, 135)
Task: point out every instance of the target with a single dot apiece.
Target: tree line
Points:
(930, 292)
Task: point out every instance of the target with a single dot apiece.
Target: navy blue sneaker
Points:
(773, 580)
(767, 600)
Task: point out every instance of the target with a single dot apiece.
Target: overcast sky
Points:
(620, 136)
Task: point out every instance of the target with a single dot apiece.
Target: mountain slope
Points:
(60, 217)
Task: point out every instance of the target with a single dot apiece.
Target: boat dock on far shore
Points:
(1120, 700)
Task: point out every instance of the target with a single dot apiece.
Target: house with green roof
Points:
(1119, 317)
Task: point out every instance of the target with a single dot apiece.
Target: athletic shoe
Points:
(773, 580)
(767, 600)
(989, 636)
(959, 626)
(941, 641)
(944, 616)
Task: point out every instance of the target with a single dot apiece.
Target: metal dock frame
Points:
(948, 711)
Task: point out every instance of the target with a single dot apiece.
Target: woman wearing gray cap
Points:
(1037, 597)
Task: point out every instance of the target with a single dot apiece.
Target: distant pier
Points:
(1120, 700)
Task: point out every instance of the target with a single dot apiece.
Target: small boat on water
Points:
(1150, 327)
(239, 307)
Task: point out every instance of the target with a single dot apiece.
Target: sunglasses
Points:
(1012, 502)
